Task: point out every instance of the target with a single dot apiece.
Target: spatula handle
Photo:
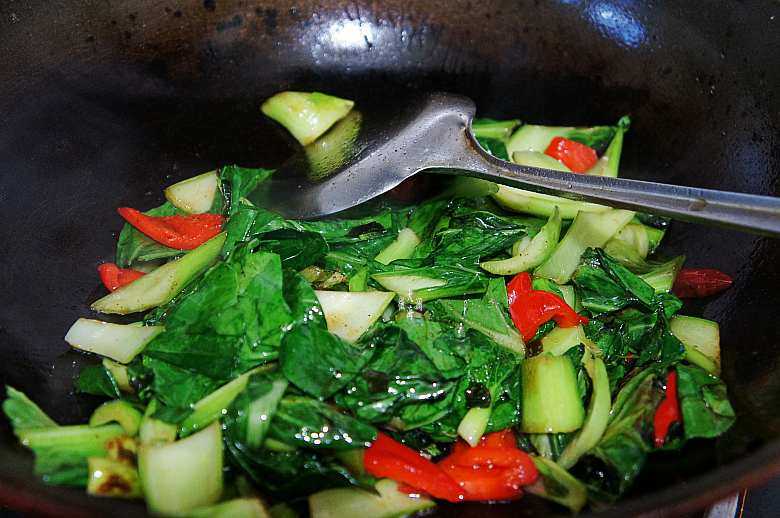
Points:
(746, 212)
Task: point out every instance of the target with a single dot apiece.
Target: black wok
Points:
(103, 102)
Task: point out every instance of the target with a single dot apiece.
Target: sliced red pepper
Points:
(502, 439)
(180, 232)
(114, 277)
(484, 485)
(531, 308)
(693, 283)
(577, 157)
(668, 412)
(495, 469)
(390, 459)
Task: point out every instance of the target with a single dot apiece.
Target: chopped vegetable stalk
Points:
(119, 373)
(23, 413)
(402, 248)
(494, 129)
(536, 159)
(114, 277)
(154, 431)
(587, 230)
(359, 281)
(118, 411)
(194, 195)
(538, 250)
(416, 285)
(116, 341)
(700, 336)
(161, 285)
(179, 232)
(236, 508)
(538, 204)
(61, 452)
(306, 115)
(551, 401)
(569, 295)
(184, 475)
(387, 502)
(556, 484)
(113, 479)
(474, 424)
(213, 406)
(597, 418)
(633, 235)
(533, 137)
(654, 236)
(406, 285)
(661, 277)
(609, 163)
(259, 414)
(560, 340)
(350, 314)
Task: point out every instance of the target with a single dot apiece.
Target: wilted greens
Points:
(253, 344)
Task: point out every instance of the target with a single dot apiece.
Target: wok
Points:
(104, 102)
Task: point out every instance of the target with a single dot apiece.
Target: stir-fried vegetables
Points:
(380, 360)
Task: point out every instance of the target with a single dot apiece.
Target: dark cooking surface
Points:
(104, 102)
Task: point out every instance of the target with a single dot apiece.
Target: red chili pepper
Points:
(114, 277)
(495, 469)
(388, 458)
(577, 157)
(668, 411)
(700, 282)
(180, 232)
(531, 308)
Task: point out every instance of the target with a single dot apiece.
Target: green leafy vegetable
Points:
(96, 380)
(706, 411)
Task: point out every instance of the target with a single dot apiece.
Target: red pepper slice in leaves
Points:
(495, 469)
(694, 283)
(668, 412)
(390, 459)
(531, 308)
(114, 277)
(180, 232)
(577, 157)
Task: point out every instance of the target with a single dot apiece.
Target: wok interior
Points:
(104, 103)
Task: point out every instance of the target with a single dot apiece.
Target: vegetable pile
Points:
(478, 345)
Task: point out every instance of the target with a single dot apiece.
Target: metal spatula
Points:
(372, 150)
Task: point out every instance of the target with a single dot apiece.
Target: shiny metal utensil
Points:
(374, 149)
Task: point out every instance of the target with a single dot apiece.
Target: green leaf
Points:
(319, 362)
(706, 411)
(238, 182)
(252, 412)
(487, 316)
(440, 344)
(615, 462)
(399, 374)
(176, 387)
(307, 423)
(296, 249)
(96, 380)
(474, 235)
(232, 321)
